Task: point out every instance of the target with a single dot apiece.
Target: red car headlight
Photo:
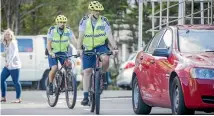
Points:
(202, 73)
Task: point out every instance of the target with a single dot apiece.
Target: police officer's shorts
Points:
(90, 61)
(54, 61)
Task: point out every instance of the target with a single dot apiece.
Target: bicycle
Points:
(95, 88)
(64, 81)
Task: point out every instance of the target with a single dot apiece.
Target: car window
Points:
(131, 57)
(25, 45)
(2, 47)
(147, 46)
(155, 41)
(194, 41)
(134, 57)
(166, 40)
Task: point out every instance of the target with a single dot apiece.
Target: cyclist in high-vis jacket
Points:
(94, 32)
(59, 37)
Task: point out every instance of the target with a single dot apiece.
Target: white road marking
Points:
(113, 109)
(60, 104)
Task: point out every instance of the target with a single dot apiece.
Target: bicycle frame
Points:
(64, 66)
(62, 80)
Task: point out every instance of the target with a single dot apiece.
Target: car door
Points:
(148, 85)
(41, 59)
(162, 69)
(27, 57)
(142, 72)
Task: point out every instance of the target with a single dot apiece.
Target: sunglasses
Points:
(62, 22)
(96, 10)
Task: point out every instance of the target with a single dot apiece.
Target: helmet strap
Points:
(94, 17)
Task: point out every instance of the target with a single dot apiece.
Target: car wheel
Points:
(139, 106)
(43, 80)
(178, 104)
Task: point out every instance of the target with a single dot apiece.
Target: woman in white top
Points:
(12, 65)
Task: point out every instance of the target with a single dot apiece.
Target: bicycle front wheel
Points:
(97, 91)
(92, 93)
(53, 99)
(70, 90)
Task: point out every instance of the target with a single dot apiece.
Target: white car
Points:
(124, 78)
(35, 66)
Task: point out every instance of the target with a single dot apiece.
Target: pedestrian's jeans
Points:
(14, 73)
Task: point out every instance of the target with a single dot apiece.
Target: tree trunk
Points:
(8, 14)
(34, 22)
(17, 18)
(12, 23)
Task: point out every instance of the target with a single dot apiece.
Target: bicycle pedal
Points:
(87, 105)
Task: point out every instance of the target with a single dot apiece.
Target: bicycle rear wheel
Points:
(53, 99)
(97, 91)
(70, 89)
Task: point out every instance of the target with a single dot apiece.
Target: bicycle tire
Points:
(57, 90)
(92, 94)
(97, 91)
(72, 83)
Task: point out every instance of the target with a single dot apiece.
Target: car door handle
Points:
(152, 61)
(31, 56)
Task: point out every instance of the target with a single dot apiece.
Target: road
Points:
(35, 103)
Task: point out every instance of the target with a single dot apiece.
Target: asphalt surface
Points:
(35, 103)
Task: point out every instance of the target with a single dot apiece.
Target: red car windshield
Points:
(196, 40)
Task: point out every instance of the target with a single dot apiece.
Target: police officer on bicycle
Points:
(58, 39)
(94, 30)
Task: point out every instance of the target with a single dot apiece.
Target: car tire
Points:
(43, 80)
(177, 99)
(138, 105)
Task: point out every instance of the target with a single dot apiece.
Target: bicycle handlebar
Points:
(97, 53)
(67, 56)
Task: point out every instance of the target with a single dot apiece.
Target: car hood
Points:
(199, 59)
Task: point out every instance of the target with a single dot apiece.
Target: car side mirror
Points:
(161, 52)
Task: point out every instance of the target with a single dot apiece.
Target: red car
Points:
(176, 70)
